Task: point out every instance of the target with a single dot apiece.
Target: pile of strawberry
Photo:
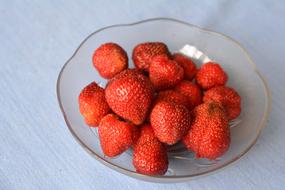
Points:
(165, 100)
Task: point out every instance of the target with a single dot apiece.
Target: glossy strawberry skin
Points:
(191, 91)
(146, 133)
(136, 134)
(170, 121)
(228, 97)
(210, 75)
(150, 156)
(92, 104)
(144, 52)
(172, 96)
(209, 134)
(130, 95)
(115, 136)
(165, 73)
(187, 64)
(110, 59)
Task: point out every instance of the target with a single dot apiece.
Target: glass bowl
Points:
(183, 166)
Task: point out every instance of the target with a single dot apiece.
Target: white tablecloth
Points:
(37, 37)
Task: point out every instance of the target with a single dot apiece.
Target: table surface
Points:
(37, 37)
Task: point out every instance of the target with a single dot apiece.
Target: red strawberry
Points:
(150, 155)
(146, 133)
(191, 91)
(228, 97)
(187, 64)
(144, 52)
(115, 136)
(136, 134)
(110, 59)
(170, 121)
(209, 134)
(129, 72)
(165, 73)
(92, 104)
(129, 94)
(172, 96)
(210, 75)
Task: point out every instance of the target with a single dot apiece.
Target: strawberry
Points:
(144, 52)
(170, 121)
(146, 133)
(150, 156)
(228, 97)
(129, 94)
(209, 134)
(164, 73)
(115, 136)
(129, 72)
(210, 75)
(187, 64)
(172, 96)
(110, 59)
(92, 104)
(191, 91)
(136, 134)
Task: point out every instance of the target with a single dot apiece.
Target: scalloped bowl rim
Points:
(166, 178)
